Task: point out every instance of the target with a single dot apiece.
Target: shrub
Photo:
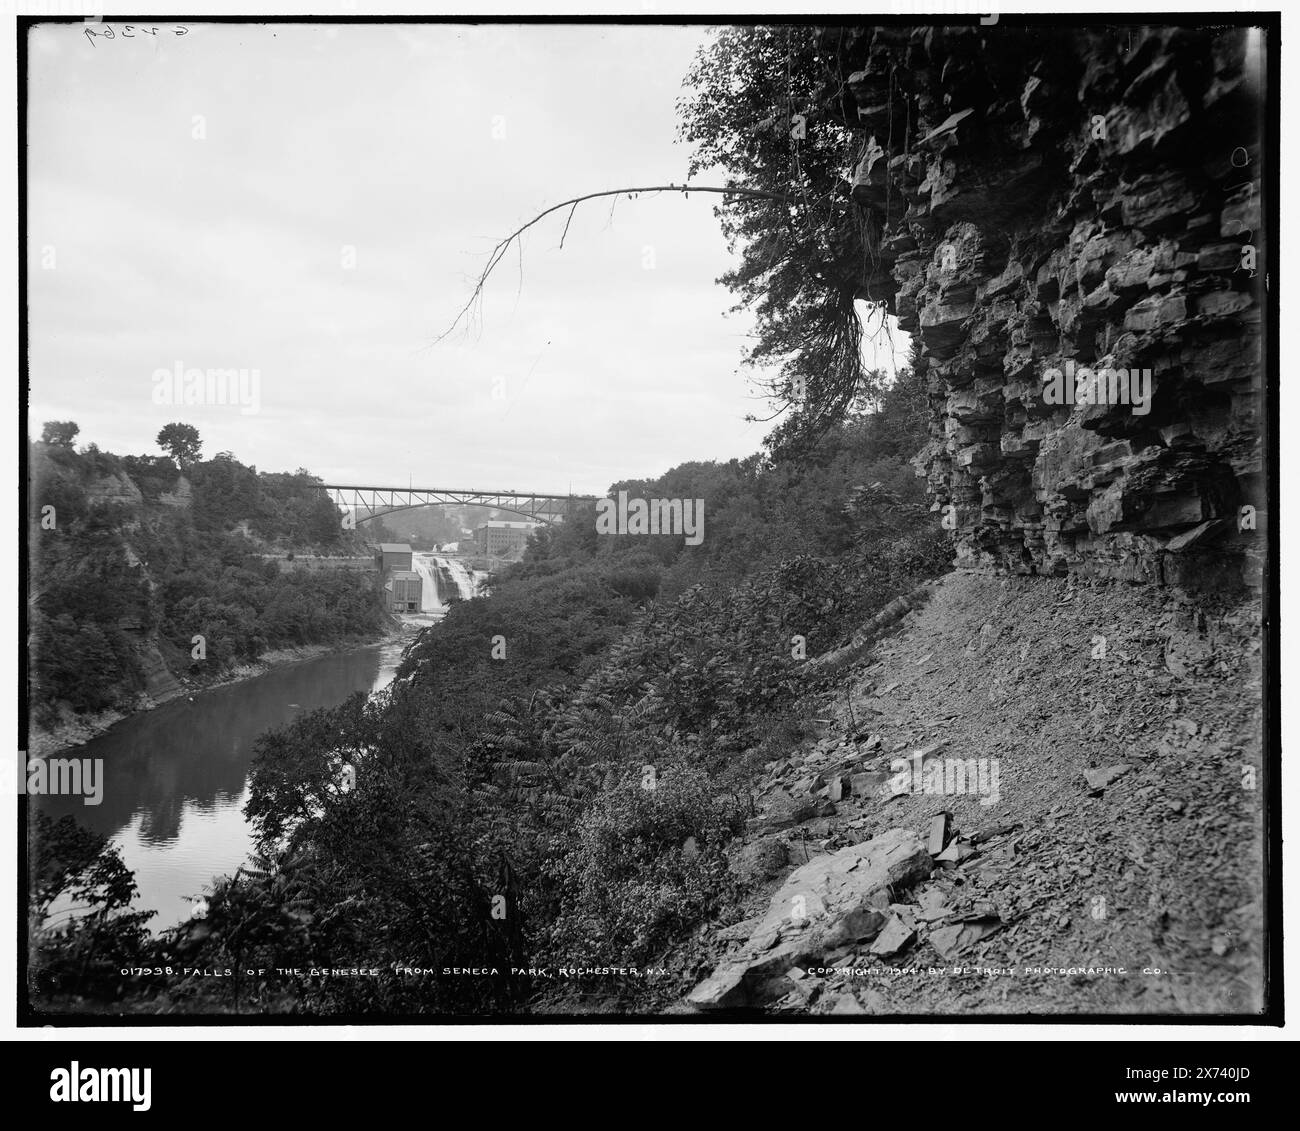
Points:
(630, 884)
(83, 946)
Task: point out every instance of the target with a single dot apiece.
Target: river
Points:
(176, 778)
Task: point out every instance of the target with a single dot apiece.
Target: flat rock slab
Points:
(893, 938)
(1098, 780)
(828, 898)
(784, 812)
(950, 941)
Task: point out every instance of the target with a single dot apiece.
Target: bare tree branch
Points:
(499, 251)
(566, 225)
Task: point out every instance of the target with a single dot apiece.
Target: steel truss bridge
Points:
(372, 502)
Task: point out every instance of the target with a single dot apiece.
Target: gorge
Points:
(180, 772)
(964, 686)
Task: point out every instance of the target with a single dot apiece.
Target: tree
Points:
(768, 110)
(764, 106)
(182, 441)
(515, 238)
(96, 934)
(60, 432)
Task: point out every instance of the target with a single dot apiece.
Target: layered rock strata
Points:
(1070, 221)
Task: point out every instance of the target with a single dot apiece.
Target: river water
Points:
(176, 778)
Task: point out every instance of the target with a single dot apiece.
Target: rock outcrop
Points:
(1075, 815)
(1070, 220)
(114, 488)
(181, 495)
(838, 898)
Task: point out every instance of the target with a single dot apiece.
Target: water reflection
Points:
(176, 778)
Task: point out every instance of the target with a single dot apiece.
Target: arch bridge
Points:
(373, 502)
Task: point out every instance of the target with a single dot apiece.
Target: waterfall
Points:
(465, 582)
(443, 578)
(430, 597)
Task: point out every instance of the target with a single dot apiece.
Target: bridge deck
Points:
(539, 507)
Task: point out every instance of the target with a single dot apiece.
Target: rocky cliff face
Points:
(1070, 221)
(110, 488)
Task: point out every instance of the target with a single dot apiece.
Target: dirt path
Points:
(1038, 681)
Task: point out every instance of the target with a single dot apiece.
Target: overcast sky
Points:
(313, 202)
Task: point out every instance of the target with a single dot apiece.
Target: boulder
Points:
(895, 936)
(855, 927)
(1098, 780)
(784, 812)
(938, 832)
(822, 904)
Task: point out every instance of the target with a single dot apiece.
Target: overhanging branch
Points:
(499, 251)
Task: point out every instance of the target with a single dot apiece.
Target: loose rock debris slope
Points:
(1101, 853)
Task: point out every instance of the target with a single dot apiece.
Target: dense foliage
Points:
(763, 107)
(556, 773)
(80, 928)
(126, 554)
(60, 432)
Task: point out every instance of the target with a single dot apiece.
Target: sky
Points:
(311, 203)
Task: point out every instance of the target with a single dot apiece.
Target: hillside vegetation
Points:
(610, 762)
(570, 752)
(131, 559)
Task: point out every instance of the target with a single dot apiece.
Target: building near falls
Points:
(404, 591)
(501, 539)
(394, 555)
(403, 588)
